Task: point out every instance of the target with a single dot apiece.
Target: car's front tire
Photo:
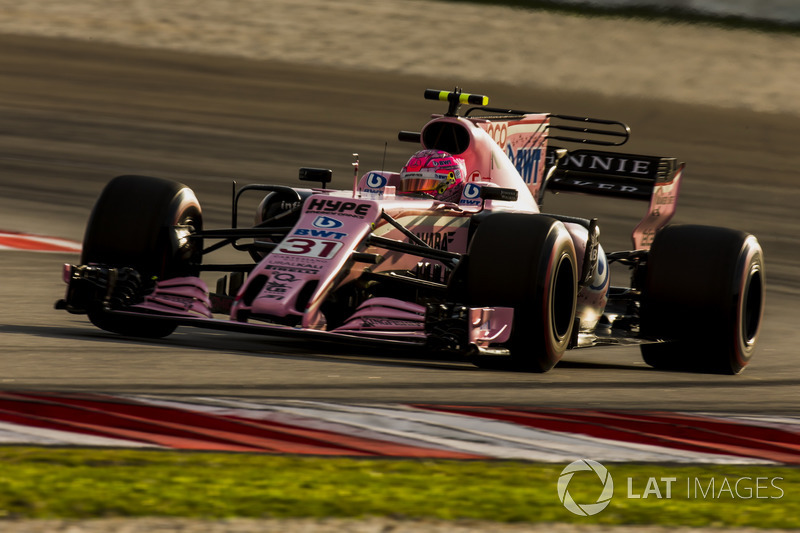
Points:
(526, 262)
(133, 224)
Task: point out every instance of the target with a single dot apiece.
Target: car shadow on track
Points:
(255, 346)
(243, 345)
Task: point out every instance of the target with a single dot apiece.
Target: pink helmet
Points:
(433, 172)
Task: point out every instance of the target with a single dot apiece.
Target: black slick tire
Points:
(704, 293)
(133, 225)
(526, 262)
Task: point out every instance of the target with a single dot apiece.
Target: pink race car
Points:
(451, 254)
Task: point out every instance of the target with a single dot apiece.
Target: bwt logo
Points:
(324, 222)
(472, 191)
(471, 195)
(526, 161)
(594, 468)
(376, 181)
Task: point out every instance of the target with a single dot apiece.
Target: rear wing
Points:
(629, 176)
(621, 175)
(524, 138)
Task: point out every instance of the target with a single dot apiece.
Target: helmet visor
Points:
(420, 185)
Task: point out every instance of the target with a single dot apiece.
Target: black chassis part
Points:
(96, 286)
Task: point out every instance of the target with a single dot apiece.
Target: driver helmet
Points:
(433, 172)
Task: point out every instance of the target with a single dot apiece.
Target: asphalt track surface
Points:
(73, 115)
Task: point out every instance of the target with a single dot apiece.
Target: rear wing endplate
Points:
(628, 176)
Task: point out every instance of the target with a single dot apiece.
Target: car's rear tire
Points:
(704, 292)
(526, 262)
(133, 225)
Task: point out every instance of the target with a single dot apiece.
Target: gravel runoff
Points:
(683, 63)
(731, 68)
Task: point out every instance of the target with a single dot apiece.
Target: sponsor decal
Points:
(452, 230)
(288, 206)
(647, 237)
(438, 240)
(327, 224)
(498, 132)
(601, 272)
(472, 191)
(376, 181)
(340, 207)
(611, 163)
(522, 141)
(320, 233)
(308, 247)
(526, 161)
(663, 198)
(173, 300)
(471, 194)
(299, 270)
(278, 284)
(388, 322)
(298, 264)
(324, 222)
(584, 184)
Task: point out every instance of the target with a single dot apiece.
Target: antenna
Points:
(233, 203)
(383, 163)
(355, 175)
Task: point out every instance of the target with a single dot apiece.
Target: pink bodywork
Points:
(290, 283)
(308, 259)
(387, 317)
(663, 205)
(187, 296)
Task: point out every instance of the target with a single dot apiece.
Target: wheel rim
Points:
(563, 298)
(187, 249)
(752, 302)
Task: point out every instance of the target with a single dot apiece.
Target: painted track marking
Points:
(394, 430)
(10, 240)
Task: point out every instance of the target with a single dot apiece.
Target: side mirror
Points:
(322, 175)
(499, 193)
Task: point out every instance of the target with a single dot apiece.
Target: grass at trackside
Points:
(665, 14)
(79, 483)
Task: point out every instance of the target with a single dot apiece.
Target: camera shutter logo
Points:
(586, 509)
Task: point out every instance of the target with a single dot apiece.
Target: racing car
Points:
(452, 254)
